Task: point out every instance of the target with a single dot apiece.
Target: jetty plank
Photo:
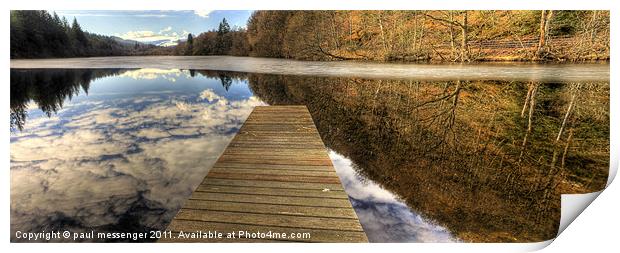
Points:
(275, 176)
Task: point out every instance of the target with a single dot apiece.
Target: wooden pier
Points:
(275, 176)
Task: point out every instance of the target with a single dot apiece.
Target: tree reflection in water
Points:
(486, 159)
(461, 152)
(48, 89)
(123, 158)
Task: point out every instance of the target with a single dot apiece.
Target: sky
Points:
(154, 27)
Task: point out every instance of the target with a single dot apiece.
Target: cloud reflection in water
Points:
(112, 162)
(383, 216)
(126, 156)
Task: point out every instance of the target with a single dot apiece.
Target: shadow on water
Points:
(486, 159)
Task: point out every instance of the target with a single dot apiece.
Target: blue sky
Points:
(165, 27)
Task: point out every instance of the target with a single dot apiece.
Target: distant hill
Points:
(126, 42)
(160, 43)
(163, 43)
(166, 43)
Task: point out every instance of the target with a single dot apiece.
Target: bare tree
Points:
(545, 19)
(452, 42)
(532, 105)
(464, 47)
(592, 25)
(530, 88)
(568, 111)
(464, 32)
(380, 20)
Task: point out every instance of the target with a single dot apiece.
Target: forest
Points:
(449, 36)
(390, 35)
(39, 34)
(223, 41)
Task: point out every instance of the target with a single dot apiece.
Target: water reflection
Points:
(122, 158)
(482, 160)
(486, 159)
(384, 217)
(48, 90)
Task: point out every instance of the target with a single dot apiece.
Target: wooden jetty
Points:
(275, 176)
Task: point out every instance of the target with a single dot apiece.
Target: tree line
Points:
(221, 41)
(428, 35)
(39, 34)
(49, 89)
(386, 35)
(413, 36)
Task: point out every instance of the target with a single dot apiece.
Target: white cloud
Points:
(150, 74)
(165, 36)
(203, 13)
(91, 144)
(209, 95)
(169, 43)
(151, 15)
(85, 14)
(167, 29)
(111, 14)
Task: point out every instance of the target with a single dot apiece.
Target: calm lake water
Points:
(120, 150)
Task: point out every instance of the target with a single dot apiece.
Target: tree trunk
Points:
(541, 37)
(568, 111)
(382, 35)
(593, 26)
(570, 137)
(530, 87)
(464, 49)
(547, 25)
(415, 31)
(421, 34)
(452, 43)
(529, 119)
(545, 19)
(334, 32)
(350, 29)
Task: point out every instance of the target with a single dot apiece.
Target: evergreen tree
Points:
(223, 28)
(189, 45)
(78, 35)
(65, 25)
(224, 38)
(37, 34)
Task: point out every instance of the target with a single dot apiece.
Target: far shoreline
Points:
(492, 70)
(489, 59)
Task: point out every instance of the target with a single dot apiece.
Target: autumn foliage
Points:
(429, 35)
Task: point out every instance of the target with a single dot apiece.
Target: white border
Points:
(594, 230)
(312, 5)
